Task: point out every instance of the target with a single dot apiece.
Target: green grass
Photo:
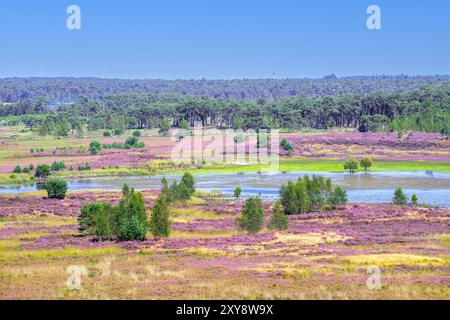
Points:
(323, 166)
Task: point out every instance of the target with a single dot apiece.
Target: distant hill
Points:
(68, 89)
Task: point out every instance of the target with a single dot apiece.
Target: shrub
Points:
(399, 197)
(286, 146)
(351, 165)
(95, 147)
(118, 131)
(252, 217)
(17, 169)
(159, 221)
(58, 166)
(42, 171)
(414, 200)
(279, 220)
(106, 133)
(237, 192)
(183, 124)
(56, 188)
(26, 170)
(366, 163)
(137, 134)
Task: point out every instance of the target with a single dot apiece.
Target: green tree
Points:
(351, 165)
(237, 192)
(101, 221)
(56, 188)
(414, 200)
(279, 220)
(252, 216)
(164, 127)
(189, 181)
(338, 198)
(184, 125)
(399, 197)
(159, 221)
(366, 163)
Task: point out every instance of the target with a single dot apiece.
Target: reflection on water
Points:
(378, 187)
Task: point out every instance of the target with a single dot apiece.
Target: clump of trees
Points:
(310, 195)
(179, 191)
(125, 222)
(128, 221)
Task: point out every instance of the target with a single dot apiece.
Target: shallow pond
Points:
(376, 187)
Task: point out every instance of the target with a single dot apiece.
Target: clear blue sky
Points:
(223, 39)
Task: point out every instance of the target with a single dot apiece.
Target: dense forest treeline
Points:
(426, 110)
(68, 89)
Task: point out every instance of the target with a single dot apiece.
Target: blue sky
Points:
(223, 39)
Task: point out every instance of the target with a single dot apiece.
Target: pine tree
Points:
(399, 197)
(252, 217)
(159, 221)
(279, 220)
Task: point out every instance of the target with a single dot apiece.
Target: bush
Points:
(42, 171)
(286, 146)
(399, 197)
(56, 188)
(351, 165)
(137, 134)
(159, 221)
(106, 134)
(237, 192)
(17, 169)
(278, 221)
(58, 166)
(252, 217)
(366, 163)
(95, 147)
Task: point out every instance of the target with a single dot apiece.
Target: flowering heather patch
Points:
(381, 146)
(326, 254)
